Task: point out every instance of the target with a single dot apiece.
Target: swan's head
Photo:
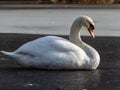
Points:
(89, 24)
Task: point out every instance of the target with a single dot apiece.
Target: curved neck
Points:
(75, 32)
(76, 39)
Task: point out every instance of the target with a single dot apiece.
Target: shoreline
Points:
(14, 40)
(62, 6)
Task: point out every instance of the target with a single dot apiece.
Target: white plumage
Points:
(52, 52)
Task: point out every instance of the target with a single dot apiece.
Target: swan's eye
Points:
(92, 27)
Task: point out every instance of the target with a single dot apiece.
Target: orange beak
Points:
(91, 32)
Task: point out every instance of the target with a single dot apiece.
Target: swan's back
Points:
(53, 52)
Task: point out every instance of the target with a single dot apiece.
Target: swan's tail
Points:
(11, 54)
(7, 53)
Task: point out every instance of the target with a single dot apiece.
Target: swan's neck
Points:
(75, 33)
(76, 39)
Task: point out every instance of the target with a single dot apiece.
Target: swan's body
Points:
(52, 52)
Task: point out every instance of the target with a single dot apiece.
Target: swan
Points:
(52, 52)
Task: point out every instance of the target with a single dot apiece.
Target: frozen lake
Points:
(105, 77)
(58, 21)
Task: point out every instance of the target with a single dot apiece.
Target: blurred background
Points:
(59, 1)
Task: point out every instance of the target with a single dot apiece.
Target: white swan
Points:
(52, 52)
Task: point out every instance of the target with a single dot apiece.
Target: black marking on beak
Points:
(92, 27)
